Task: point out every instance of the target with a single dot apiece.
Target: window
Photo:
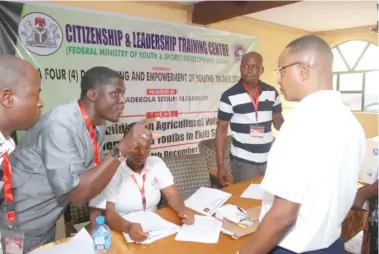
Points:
(356, 74)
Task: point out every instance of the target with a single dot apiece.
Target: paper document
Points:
(205, 230)
(254, 191)
(207, 200)
(153, 224)
(233, 214)
(79, 244)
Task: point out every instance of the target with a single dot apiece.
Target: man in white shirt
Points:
(314, 164)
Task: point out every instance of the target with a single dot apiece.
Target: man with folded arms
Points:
(313, 166)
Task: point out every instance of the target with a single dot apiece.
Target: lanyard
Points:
(142, 190)
(8, 190)
(255, 100)
(91, 132)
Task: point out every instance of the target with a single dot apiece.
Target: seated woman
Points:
(137, 186)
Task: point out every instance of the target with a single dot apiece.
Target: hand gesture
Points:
(138, 136)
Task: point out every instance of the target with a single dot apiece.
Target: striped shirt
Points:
(237, 108)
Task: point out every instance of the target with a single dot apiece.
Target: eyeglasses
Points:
(279, 70)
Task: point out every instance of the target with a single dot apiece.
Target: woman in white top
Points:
(137, 186)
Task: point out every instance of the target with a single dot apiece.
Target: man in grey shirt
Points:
(20, 102)
(58, 162)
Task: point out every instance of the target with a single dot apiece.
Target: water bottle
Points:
(101, 236)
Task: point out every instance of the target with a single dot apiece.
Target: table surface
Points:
(168, 245)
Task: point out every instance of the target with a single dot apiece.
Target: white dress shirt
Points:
(124, 192)
(315, 162)
(6, 145)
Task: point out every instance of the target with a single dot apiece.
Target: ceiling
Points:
(316, 16)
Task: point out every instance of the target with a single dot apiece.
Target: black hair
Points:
(97, 77)
(310, 43)
(128, 128)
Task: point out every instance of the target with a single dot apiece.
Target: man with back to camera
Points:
(251, 107)
(59, 159)
(313, 166)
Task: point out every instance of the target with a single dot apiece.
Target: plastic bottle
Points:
(101, 236)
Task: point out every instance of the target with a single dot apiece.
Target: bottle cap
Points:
(100, 220)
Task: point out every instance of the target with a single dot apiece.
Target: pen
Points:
(242, 211)
(247, 215)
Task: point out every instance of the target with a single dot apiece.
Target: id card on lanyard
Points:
(92, 134)
(13, 239)
(141, 189)
(256, 130)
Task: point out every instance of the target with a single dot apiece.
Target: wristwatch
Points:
(116, 153)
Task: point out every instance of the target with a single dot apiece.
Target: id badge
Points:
(13, 242)
(257, 131)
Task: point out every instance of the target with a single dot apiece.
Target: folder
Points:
(237, 231)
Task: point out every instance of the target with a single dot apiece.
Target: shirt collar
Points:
(324, 95)
(260, 84)
(7, 144)
(130, 172)
(2, 138)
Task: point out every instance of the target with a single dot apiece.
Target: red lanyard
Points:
(255, 100)
(8, 190)
(91, 132)
(142, 190)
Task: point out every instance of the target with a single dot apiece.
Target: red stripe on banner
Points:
(198, 112)
(161, 91)
(162, 114)
(181, 113)
(185, 144)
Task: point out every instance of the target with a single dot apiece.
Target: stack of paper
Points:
(254, 191)
(207, 200)
(153, 224)
(81, 243)
(204, 230)
(234, 214)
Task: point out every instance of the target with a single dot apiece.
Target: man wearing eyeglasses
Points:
(251, 107)
(313, 166)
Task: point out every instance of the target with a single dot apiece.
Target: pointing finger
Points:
(146, 121)
(155, 135)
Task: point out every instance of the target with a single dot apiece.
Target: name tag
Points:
(257, 131)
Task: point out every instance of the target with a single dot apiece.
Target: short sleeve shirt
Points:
(46, 166)
(125, 193)
(237, 108)
(315, 162)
